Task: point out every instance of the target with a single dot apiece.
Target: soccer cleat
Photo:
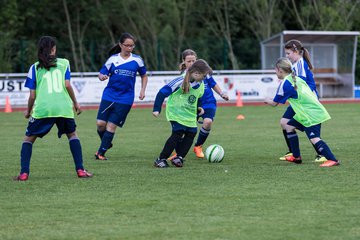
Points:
(100, 157)
(161, 163)
(330, 163)
(293, 159)
(286, 155)
(172, 157)
(82, 173)
(22, 177)
(178, 161)
(198, 151)
(320, 159)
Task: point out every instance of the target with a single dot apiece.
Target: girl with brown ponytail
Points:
(182, 107)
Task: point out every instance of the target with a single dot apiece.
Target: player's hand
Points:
(103, 77)
(27, 114)
(142, 95)
(77, 108)
(225, 96)
(271, 102)
(200, 111)
(155, 114)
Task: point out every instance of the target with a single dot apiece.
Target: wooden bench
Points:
(327, 77)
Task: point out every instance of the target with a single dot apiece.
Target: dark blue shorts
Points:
(41, 127)
(209, 113)
(113, 112)
(311, 132)
(289, 113)
(179, 127)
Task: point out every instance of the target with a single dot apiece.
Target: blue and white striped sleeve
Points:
(31, 78)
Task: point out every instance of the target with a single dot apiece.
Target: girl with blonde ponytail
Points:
(299, 57)
(309, 113)
(182, 107)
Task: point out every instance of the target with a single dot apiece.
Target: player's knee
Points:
(101, 125)
(110, 127)
(283, 122)
(207, 123)
(72, 135)
(289, 128)
(315, 140)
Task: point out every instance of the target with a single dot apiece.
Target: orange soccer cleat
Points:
(293, 159)
(21, 177)
(198, 151)
(82, 173)
(330, 163)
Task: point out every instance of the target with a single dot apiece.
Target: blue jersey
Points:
(301, 69)
(175, 84)
(285, 91)
(122, 72)
(170, 88)
(208, 100)
(31, 77)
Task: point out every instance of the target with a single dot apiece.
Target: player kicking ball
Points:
(309, 113)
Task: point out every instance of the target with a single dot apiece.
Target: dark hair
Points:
(200, 66)
(184, 54)
(116, 48)
(45, 45)
(296, 45)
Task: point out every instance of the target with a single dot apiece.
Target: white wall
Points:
(254, 86)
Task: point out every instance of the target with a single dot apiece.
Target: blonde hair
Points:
(296, 45)
(184, 54)
(285, 65)
(200, 66)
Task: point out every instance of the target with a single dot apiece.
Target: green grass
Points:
(250, 195)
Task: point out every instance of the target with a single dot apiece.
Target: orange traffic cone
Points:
(8, 108)
(239, 102)
(240, 117)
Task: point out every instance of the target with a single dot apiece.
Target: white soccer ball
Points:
(214, 153)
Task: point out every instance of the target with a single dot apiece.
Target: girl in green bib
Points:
(309, 113)
(182, 107)
(51, 102)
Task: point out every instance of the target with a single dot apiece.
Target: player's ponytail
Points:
(200, 66)
(45, 46)
(293, 76)
(296, 45)
(306, 56)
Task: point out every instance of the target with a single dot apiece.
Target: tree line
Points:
(227, 33)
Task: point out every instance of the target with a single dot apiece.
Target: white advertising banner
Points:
(88, 89)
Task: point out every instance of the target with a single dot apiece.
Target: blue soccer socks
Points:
(25, 156)
(76, 152)
(203, 135)
(294, 143)
(324, 150)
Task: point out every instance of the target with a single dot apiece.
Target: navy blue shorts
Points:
(209, 113)
(41, 127)
(113, 112)
(311, 132)
(179, 127)
(289, 113)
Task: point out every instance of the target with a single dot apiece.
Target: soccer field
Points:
(249, 195)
